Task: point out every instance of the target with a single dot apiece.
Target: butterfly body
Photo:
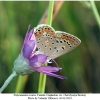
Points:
(54, 43)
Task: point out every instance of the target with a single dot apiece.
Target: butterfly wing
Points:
(45, 39)
(54, 43)
(66, 42)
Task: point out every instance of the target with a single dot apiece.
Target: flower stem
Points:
(42, 83)
(8, 81)
(21, 83)
(50, 12)
(95, 12)
(42, 80)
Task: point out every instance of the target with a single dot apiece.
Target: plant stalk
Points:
(42, 79)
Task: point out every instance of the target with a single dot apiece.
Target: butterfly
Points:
(54, 43)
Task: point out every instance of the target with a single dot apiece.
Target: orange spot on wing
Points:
(45, 30)
(54, 36)
(63, 37)
(40, 33)
(72, 40)
(36, 34)
(48, 30)
(67, 38)
(51, 33)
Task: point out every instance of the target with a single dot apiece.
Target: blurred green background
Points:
(81, 66)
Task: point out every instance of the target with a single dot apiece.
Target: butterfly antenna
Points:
(51, 60)
(55, 62)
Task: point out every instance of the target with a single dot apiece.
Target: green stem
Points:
(8, 80)
(95, 12)
(50, 12)
(42, 80)
(21, 83)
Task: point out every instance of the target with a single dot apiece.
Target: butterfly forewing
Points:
(45, 39)
(39, 38)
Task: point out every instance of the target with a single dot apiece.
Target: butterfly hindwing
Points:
(66, 41)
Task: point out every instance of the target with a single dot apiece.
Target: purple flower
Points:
(30, 60)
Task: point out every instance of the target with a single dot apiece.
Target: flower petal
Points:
(28, 48)
(29, 36)
(32, 37)
(52, 74)
(37, 60)
(47, 68)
